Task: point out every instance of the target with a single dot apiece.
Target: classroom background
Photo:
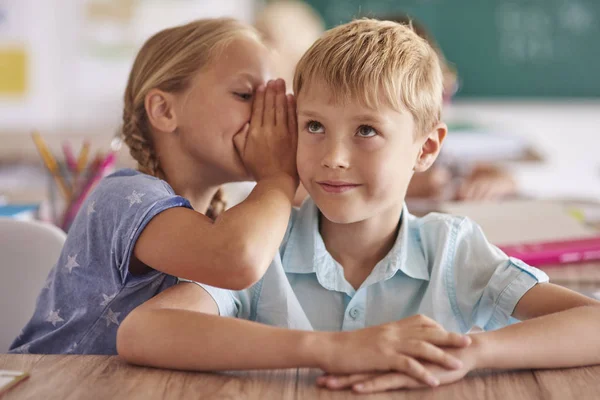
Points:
(524, 100)
(527, 91)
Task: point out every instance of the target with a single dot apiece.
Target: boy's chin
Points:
(338, 217)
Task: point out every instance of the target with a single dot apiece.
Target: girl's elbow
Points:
(251, 266)
(250, 276)
(242, 278)
(253, 270)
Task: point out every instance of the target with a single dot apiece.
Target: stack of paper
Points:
(537, 232)
(8, 379)
(522, 221)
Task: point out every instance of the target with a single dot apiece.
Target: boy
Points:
(369, 102)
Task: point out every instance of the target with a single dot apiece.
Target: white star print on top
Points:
(54, 317)
(80, 309)
(72, 349)
(111, 317)
(72, 263)
(107, 299)
(135, 198)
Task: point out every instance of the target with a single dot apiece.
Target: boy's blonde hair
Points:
(168, 61)
(377, 62)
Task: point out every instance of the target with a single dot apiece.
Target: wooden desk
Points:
(108, 377)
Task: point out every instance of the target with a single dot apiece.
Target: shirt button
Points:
(354, 313)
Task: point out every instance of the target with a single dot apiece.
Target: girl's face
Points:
(216, 107)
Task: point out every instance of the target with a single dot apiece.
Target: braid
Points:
(139, 142)
(217, 204)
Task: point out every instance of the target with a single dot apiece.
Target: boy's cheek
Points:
(303, 167)
(304, 159)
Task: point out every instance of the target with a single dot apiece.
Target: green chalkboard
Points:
(502, 48)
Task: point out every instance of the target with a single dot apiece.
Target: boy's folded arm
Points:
(232, 252)
(180, 329)
(558, 331)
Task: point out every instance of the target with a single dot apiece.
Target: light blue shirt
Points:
(441, 266)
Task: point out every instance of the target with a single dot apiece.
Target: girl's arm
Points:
(234, 251)
(179, 329)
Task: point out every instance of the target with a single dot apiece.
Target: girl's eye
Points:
(244, 96)
(314, 127)
(366, 131)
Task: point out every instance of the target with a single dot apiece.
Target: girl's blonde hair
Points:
(168, 61)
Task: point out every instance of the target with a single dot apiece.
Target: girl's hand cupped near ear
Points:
(267, 146)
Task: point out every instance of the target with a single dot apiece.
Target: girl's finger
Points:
(291, 115)
(269, 110)
(385, 382)
(258, 105)
(281, 108)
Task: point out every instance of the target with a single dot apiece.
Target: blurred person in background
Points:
(479, 182)
(289, 28)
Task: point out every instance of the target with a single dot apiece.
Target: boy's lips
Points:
(337, 186)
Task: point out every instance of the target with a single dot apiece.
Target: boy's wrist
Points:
(316, 348)
(481, 347)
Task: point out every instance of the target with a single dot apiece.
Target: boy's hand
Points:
(395, 347)
(383, 381)
(268, 146)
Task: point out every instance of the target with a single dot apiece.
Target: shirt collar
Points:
(305, 252)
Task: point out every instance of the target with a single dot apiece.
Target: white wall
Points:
(565, 132)
(79, 61)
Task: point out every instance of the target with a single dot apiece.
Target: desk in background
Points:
(108, 377)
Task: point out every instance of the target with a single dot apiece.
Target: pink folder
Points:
(556, 252)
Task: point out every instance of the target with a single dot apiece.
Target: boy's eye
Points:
(314, 127)
(244, 96)
(366, 131)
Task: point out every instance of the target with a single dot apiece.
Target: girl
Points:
(186, 117)
(191, 121)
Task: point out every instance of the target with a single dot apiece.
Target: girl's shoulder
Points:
(125, 201)
(126, 180)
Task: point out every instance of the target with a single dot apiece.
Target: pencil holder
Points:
(68, 190)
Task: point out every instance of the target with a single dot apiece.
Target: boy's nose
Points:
(335, 157)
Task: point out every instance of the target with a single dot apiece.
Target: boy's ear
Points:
(431, 147)
(160, 110)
